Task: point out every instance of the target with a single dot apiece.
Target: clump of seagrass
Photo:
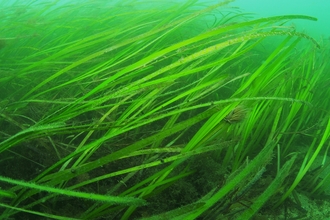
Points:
(238, 114)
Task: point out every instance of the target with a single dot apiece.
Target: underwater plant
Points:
(156, 110)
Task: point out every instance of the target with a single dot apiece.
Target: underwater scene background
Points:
(316, 8)
(139, 109)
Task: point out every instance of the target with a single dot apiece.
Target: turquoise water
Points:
(264, 8)
(316, 8)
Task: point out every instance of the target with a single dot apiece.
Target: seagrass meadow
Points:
(160, 110)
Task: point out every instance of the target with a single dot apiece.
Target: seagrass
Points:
(130, 99)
